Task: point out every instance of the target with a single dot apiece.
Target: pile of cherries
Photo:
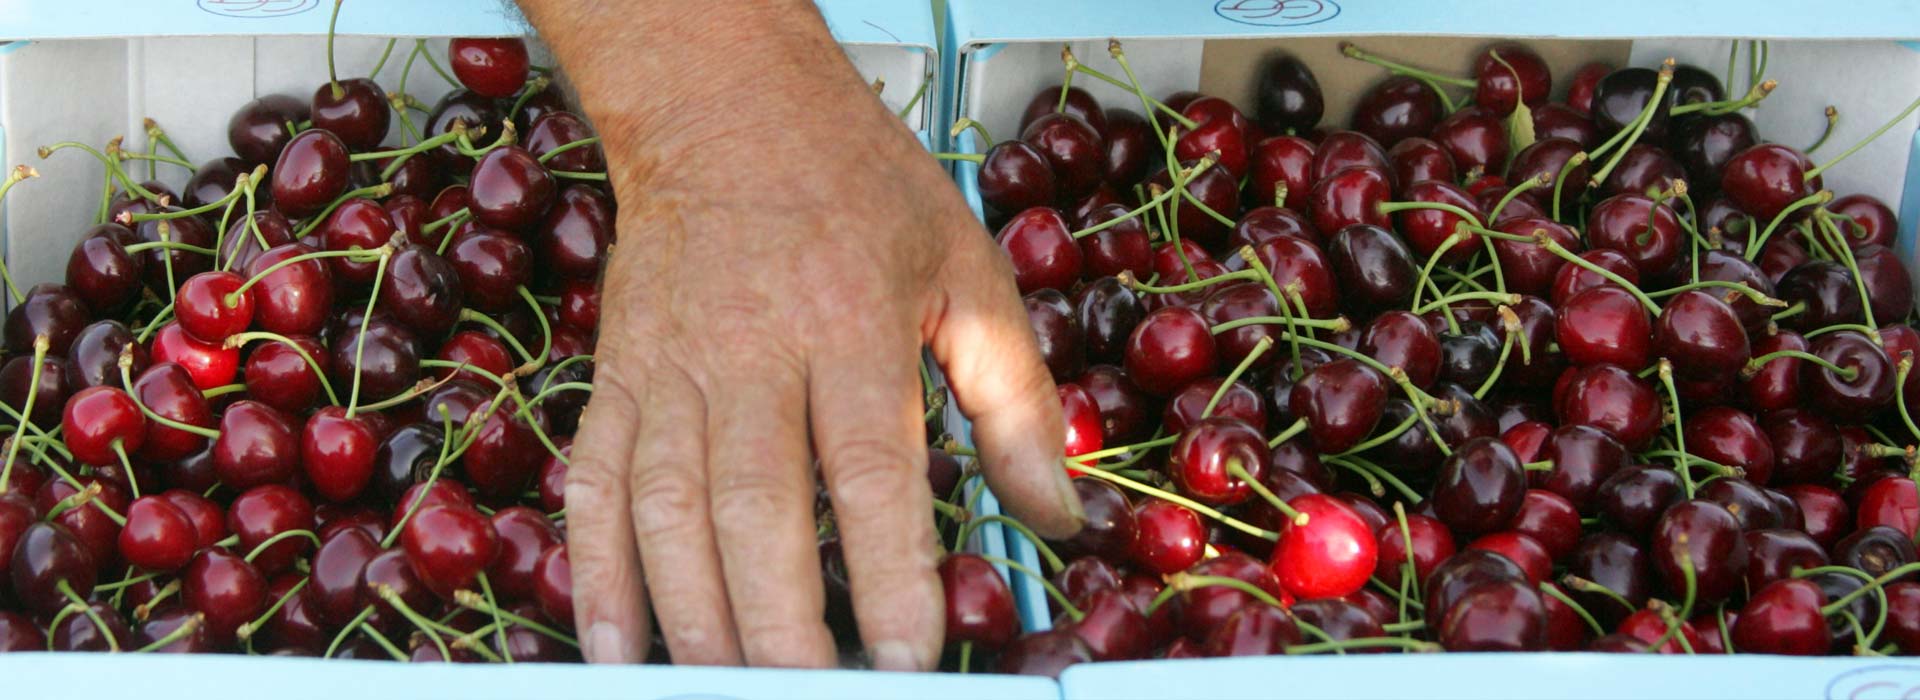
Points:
(319, 400)
(1603, 373)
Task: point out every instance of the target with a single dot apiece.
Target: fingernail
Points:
(1069, 497)
(894, 656)
(605, 645)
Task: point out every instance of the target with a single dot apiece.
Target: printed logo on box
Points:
(1277, 13)
(256, 9)
(1890, 682)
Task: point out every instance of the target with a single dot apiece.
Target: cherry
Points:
(17, 633)
(1202, 608)
(478, 350)
(1537, 320)
(979, 606)
(464, 106)
(1237, 401)
(209, 521)
(942, 470)
(1106, 312)
(1109, 529)
(1705, 143)
(580, 305)
(1170, 347)
(1647, 231)
(93, 358)
(20, 376)
(1773, 554)
(1806, 445)
(1882, 271)
(1764, 179)
(1169, 537)
(1479, 487)
(1331, 554)
(1727, 267)
(1574, 279)
(1044, 653)
(1875, 550)
(1419, 159)
(1549, 156)
(1056, 329)
(1396, 108)
(1509, 73)
(1502, 615)
(1304, 266)
(1341, 149)
(79, 631)
(1131, 142)
(1475, 137)
(1892, 502)
(1215, 188)
(263, 512)
(310, 173)
(167, 389)
(258, 131)
(1256, 629)
(158, 536)
(1620, 97)
(1348, 196)
(1864, 384)
(506, 452)
(1714, 549)
(1287, 98)
(560, 128)
(553, 584)
(493, 67)
(422, 290)
(1617, 562)
(1401, 339)
(1635, 497)
(203, 308)
(491, 266)
(100, 270)
(1204, 459)
(1903, 615)
(449, 547)
(1826, 290)
(333, 588)
(99, 420)
(1044, 255)
(510, 189)
(1559, 121)
(1219, 128)
(257, 446)
(525, 534)
(225, 588)
(52, 310)
(1072, 149)
(278, 375)
(1701, 336)
(1784, 617)
(1728, 436)
(1341, 401)
(1612, 399)
(1373, 267)
(1077, 102)
(1015, 176)
(1643, 169)
(294, 299)
(1112, 627)
(1122, 247)
(1085, 576)
(1463, 571)
(1468, 357)
(405, 457)
(355, 110)
(1873, 222)
(1608, 325)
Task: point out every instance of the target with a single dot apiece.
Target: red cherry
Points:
(1765, 179)
(99, 419)
(1496, 616)
(1785, 617)
(257, 446)
(1202, 458)
(1171, 347)
(310, 173)
(280, 376)
(1523, 549)
(979, 606)
(1350, 195)
(1169, 537)
(225, 588)
(1341, 401)
(158, 536)
(1044, 255)
(207, 307)
(558, 129)
(553, 584)
(492, 67)
(1701, 336)
(1282, 160)
(1550, 519)
(510, 189)
(1073, 150)
(1332, 554)
(1432, 544)
(1648, 232)
(525, 534)
(1509, 73)
(263, 512)
(449, 547)
(168, 390)
(1082, 418)
(209, 364)
(1605, 325)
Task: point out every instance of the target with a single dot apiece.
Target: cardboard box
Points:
(1862, 59)
(88, 71)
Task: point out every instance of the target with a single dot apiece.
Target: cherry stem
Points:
(1298, 427)
(1578, 609)
(133, 481)
(1259, 348)
(1364, 643)
(472, 316)
(1353, 51)
(446, 442)
(966, 656)
(961, 127)
(1679, 432)
(188, 627)
(570, 175)
(1844, 253)
(1374, 487)
(40, 346)
(1138, 286)
(499, 625)
(1090, 457)
(1058, 597)
(1638, 127)
(360, 341)
(1833, 120)
(975, 158)
(85, 609)
(348, 629)
(277, 537)
(473, 601)
(1426, 271)
(1152, 105)
(1337, 325)
(1585, 586)
(245, 631)
(379, 191)
(1239, 471)
(535, 362)
(1380, 439)
(1375, 474)
(1181, 178)
(1874, 584)
(1755, 241)
(1252, 259)
(1899, 397)
(568, 146)
(1753, 97)
(1741, 287)
(1182, 582)
(1539, 180)
(458, 131)
(419, 622)
(1811, 174)
(1180, 500)
(1046, 553)
(19, 174)
(1692, 590)
(1756, 364)
(1510, 324)
(1545, 465)
(1499, 297)
(241, 339)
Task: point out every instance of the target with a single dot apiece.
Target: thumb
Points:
(982, 339)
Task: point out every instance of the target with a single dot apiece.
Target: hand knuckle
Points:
(868, 470)
(665, 503)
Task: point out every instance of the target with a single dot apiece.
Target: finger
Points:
(864, 400)
(610, 608)
(669, 510)
(762, 500)
(984, 343)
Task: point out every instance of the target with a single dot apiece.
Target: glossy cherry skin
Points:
(51, 310)
(1044, 255)
(1348, 196)
(1043, 653)
(1237, 401)
(1606, 325)
(510, 189)
(1574, 279)
(1508, 74)
(1305, 267)
(17, 633)
(1612, 399)
(1872, 221)
(1113, 628)
(355, 110)
(209, 364)
(1727, 267)
(1287, 98)
(1419, 159)
(1891, 502)
(1203, 608)
(1728, 436)
(553, 585)
(1464, 571)
(1496, 616)
(1764, 179)
(279, 375)
(1826, 289)
(491, 266)
(1168, 537)
(1875, 550)
(1701, 336)
(1633, 499)
(1170, 347)
(1549, 157)
(101, 271)
(46, 382)
(525, 534)
(1015, 176)
(1110, 528)
(168, 390)
(1341, 401)
(292, 300)
(1122, 247)
(449, 547)
(1549, 519)
(1130, 145)
(1397, 108)
(1073, 150)
(1882, 271)
(1479, 486)
(262, 512)
(258, 131)
(337, 453)
(203, 308)
(979, 606)
(1401, 339)
(1784, 618)
(1773, 554)
(1618, 562)
(1428, 229)
(1331, 555)
(357, 224)
(422, 290)
(1219, 128)
(209, 521)
(1373, 267)
(1643, 169)
(310, 172)
(334, 582)
(1844, 399)
(98, 419)
(1432, 544)
(558, 129)
(1476, 137)
(46, 554)
(1710, 536)
(93, 358)
(79, 631)
(158, 536)
(1806, 445)
(481, 115)
(1057, 332)
(1903, 614)
(481, 352)
(1648, 232)
(257, 446)
(225, 588)
(494, 67)
(1622, 95)
(506, 453)
(1215, 188)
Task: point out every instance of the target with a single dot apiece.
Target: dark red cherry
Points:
(93, 358)
(1620, 97)
(1401, 339)
(1500, 615)
(422, 290)
(337, 453)
(1785, 617)
(279, 375)
(17, 633)
(1203, 608)
(1864, 384)
(1479, 487)
(1509, 73)
(1710, 538)
(1287, 97)
(1648, 232)
(1043, 653)
(225, 588)
(1417, 159)
(449, 547)
(337, 568)
(492, 266)
(1215, 188)
(1219, 128)
(1608, 325)
(1105, 311)
(1123, 247)
(1078, 102)
(357, 224)
(263, 512)
(1549, 157)
(355, 110)
(1203, 460)
(525, 534)
(1168, 537)
(1056, 329)
(1701, 336)
(1432, 544)
(1727, 267)
(310, 173)
(294, 299)
(1044, 255)
(101, 272)
(1348, 196)
(1332, 554)
(1827, 292)
(1529, 267)
(481, 115)
(979, 606)
(158, 536)
(1428, 229)
(573, 239)
(1015, 177)
(1865, 220)
(1237, 401)
(1551, 520)
(405, 457)
(1170, 347)
(1728, 436)
(510, 189)
(100, 420)
(46, 382)
(1773, 554)
(257, 446)
(1882, 272)
(1643, 169)
(1765, 179)
(1073, 150)
(1612, 399)
(553, 584)
(1397, 108)
(240, 244)
(99, 628)
(1109, 530)
(52, 310)
(1572, 279)
(494, 67)
(168, 390)
(1130, 144)
(506, 453)
(1373, 267)
(1705, 143)
(1281, 161)
(1476, 137)
(258, 131)
(1341, 401)
(558, 129)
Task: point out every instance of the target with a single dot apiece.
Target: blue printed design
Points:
(1277, 13)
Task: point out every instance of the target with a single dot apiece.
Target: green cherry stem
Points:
(1815, 172)
(1630, 132)
(1541, 180)
(360, 341)
(1754, 365)
(1058, 597)
(1755, 241)
(1833, 120)
(473, 601)
(1541, 239)
(238, 340)
(1239, 471)
(40, 346)
(1337, 325)
(1350, 50)
(1753, 97)
(1691, 578)
(1578, 609)
(1679, 432)
(1178, 499)
(1047, 554)
(277, 537)
(1259, 348)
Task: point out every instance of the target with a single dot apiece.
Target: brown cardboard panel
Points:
(1231, 66)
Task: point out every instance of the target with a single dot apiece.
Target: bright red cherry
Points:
(101, 422)
(1330, 555)
(492, 67)
(449, 547)
(158, 535)
(1169, 537)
